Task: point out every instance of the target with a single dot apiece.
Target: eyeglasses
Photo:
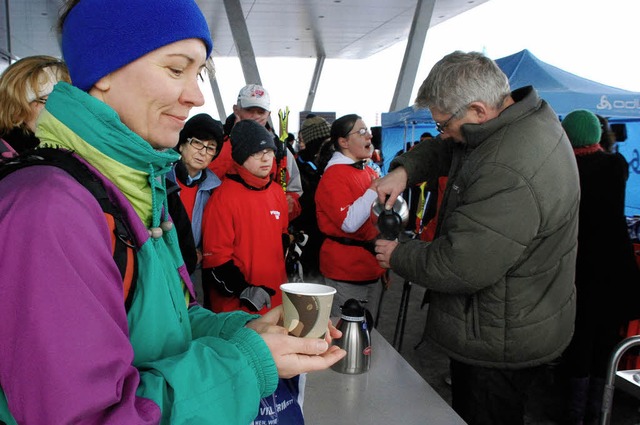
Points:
(268, 153)
(362, 131)
(42, 100)
(198, 145)
(442, 127)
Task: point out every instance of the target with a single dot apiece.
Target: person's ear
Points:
(236, 113)
(101, 87)
(343, 142)
(180, 147)
(480, 111)
(104, 83)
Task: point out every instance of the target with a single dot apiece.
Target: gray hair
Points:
(460, 78)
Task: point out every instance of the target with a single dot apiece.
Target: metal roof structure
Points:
(321, 29)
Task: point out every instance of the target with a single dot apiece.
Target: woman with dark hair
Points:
(343, 207)
(199, 143)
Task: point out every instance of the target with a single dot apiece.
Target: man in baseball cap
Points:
(253, 103)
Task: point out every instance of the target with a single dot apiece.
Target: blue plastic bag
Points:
(284, 406)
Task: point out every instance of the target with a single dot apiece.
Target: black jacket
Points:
(607, 277)
(19, 140)
(183, 226)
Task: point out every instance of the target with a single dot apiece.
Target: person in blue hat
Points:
(71, 351)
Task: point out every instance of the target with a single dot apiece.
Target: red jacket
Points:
(224, 163)
(340, 186)
(246, 226)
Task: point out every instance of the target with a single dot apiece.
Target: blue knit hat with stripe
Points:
(102, 36)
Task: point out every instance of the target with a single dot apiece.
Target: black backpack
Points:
(122, 246)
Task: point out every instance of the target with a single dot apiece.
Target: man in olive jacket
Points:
(501, 268)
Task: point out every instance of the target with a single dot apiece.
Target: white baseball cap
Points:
(254, 95)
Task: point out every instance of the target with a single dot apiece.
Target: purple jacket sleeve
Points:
(61, 304)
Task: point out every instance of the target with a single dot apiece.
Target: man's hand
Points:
(391, 185)
(384, 249)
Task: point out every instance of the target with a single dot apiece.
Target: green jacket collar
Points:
(77, 121)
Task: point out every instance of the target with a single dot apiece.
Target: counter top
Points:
(391, 392)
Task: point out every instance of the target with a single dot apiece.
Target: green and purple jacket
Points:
(70, 351)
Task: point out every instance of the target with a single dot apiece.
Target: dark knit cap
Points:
(202, 127)
(582, 128)
(248, 137)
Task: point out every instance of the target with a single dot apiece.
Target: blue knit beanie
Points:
(102, 36)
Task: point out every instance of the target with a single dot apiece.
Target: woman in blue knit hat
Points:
(607, 278)
(71, 351)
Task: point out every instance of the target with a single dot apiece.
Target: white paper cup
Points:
(307, 307)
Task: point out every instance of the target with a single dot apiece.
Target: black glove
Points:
(226, 279)
(256, 297)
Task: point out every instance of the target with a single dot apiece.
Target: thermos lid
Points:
(352, 308)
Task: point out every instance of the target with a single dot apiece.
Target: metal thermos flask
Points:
(356, 339)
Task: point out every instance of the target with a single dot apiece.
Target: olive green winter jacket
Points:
(501, 269)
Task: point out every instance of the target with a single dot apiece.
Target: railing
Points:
(607, 398)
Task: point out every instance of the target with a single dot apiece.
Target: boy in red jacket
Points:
(245, 228)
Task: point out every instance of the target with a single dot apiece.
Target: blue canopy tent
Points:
(564, 92)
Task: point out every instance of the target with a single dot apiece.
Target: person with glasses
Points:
(501, 266)
(24, 88)
(254, 103)
(199, 142)
(244, 225)
(245, 241)
(344, 198)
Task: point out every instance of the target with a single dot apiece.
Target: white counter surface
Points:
(392, 392)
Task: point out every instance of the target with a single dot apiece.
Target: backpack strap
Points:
(6, 151)
(122, 246)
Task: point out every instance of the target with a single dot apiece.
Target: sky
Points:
(595, 40)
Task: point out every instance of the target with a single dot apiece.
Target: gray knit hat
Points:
(248, 137)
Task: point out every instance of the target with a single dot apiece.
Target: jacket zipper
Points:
(473, 316)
